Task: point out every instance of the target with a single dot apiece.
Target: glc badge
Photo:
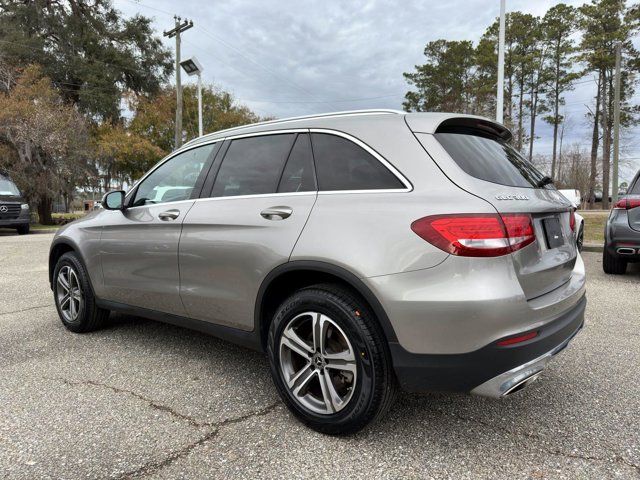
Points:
(512, 197)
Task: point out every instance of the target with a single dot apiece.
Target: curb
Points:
(592, 247)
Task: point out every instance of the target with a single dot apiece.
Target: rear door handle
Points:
(276, 213)
(169, 215)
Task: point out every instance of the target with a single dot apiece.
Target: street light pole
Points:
(199, 104)
(192, 67)
(616, 125)
(175, 32)
(500, 93)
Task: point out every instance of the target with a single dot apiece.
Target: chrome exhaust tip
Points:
(626, 251)
(521, 384)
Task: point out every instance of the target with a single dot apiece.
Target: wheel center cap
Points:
(318, 361)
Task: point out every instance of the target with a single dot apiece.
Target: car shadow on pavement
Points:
(417, 413)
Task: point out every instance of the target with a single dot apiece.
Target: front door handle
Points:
(276, 213)
(169, 215)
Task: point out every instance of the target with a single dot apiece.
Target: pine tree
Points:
(446, 81)
(558, 27)
(605, 23)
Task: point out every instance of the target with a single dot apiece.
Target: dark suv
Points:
(622, 233)
(14, 211)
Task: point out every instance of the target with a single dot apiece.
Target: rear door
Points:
(261, 195)
(490, 168)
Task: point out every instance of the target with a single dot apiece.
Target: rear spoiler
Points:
(452, 123)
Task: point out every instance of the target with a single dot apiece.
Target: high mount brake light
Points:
(477, 234)
(627, 203)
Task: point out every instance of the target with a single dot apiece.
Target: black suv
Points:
(14, 211)
(622, 233)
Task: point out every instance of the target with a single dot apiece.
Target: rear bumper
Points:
(491, 370)
(620, 239)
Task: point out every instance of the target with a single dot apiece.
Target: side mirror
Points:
(113, 200)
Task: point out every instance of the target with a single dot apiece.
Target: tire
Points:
(86, 316)
(613, 264)
(23, 229)
(363, 381)
(580, 238)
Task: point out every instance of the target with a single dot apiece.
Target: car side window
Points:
(252, 165)
(299, 174)
(175, 179)
(343, 165)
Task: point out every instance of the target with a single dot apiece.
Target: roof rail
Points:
(318, 115)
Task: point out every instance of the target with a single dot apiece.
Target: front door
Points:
(139, 246)
(263, 194)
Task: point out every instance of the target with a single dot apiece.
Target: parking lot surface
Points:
(144, 399)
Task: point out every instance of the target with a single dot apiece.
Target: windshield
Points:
(490, 159)
(7, 187)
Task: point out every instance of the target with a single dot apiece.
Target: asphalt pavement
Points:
(144, 399)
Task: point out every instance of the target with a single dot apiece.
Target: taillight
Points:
(476, 235)
(572, 220)
(627, 203)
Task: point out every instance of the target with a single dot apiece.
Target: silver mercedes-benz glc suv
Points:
(361, 250)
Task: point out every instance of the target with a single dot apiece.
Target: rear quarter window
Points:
(343, 165)
(490, 159)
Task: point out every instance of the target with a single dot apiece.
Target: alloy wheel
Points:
(69, 293)
(318, 363)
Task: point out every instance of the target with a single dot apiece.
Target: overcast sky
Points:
(297, 57)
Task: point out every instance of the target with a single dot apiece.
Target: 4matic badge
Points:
(512, 197)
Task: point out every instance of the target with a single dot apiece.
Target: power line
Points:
(247, 58)
(122, 67)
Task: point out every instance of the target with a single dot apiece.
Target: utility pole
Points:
(199, 104)
(175, 32)
(616, 125)
(500, 93)
(606, 145)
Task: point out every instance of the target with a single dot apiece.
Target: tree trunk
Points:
(606, 149)
(556, 114)
(44, 211)
(559, 162)
(594, 147)
(520, 108)
(532, 129)
(509, 99)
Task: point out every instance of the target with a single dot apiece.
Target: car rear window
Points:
(298, 174)
(252, 165)
(490, 159)
(635, 188)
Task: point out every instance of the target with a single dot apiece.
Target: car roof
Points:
(423, 122)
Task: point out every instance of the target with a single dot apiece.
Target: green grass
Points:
(594, 222)
(68, 216)
(38, 227)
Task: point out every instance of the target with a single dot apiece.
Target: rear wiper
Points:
(546, 180)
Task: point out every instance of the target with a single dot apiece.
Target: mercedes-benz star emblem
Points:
(4, 208)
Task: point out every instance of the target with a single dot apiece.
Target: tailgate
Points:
(490, 169)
